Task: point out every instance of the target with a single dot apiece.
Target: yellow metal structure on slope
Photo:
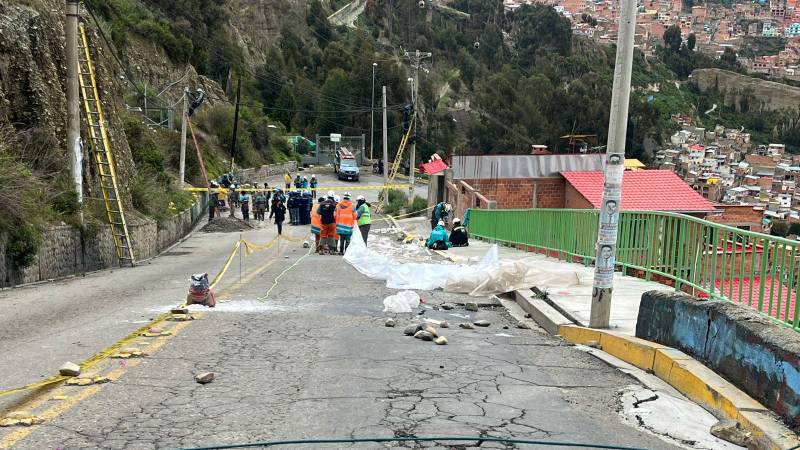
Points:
(101, 151)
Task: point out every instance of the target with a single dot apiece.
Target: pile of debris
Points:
(226, 225)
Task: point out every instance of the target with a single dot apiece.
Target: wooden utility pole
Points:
(600, 314)
(74, 147)
(416, 61)
(235, 121)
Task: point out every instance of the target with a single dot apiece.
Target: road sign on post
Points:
(336, 137)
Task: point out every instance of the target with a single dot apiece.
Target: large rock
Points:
(70, 369)
(204, 378)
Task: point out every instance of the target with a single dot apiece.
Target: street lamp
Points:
(372, 112)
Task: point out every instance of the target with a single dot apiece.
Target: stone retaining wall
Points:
(65, 250)
(754, 353)
(268, 170)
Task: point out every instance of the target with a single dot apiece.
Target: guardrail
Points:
(696, 256)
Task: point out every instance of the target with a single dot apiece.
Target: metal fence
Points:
(696, 256)
(325, 151)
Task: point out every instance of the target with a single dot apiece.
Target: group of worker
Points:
(333, 221)
(440, 239)
(302, 183)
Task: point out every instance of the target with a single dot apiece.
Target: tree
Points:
(284, 106)
(691, 40)
(672, 38)
(540, 27)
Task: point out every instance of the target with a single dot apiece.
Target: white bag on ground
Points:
(402, 302)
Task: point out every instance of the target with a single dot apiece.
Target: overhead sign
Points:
(336, 137)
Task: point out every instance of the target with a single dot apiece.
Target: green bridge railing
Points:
(696, 256)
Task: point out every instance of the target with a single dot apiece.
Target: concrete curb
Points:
(694, 380)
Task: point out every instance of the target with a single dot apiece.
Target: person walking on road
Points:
(313, 185)
(213, 200)
(327, 213)
(364, 217)
(345, 220)
(287, 179)
(279, 210)
(316, 224)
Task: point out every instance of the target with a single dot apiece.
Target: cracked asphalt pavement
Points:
(315, 360)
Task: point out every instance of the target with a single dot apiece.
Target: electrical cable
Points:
(480, 439)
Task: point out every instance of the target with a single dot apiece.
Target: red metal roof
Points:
(648, 190)
(433, 167)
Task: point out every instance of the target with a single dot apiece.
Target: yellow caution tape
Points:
(227, 264)
(355, 187)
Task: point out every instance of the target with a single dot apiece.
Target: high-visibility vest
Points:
(316, 221)
(345, 217)
(366, 217)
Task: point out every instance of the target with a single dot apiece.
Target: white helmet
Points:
(330, 194)
(347, 195)
(361, 197)
(313, 176)
(336, 198)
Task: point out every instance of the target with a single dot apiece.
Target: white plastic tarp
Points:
(488, 276)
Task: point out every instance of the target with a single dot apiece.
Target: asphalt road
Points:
(312, 360)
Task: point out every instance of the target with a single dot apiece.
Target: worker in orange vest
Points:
(316, 225)
(345, 221)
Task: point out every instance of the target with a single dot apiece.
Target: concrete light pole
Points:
(74, 148)
(184, 119)
(385, 152)
(615, 158)
(372, 113)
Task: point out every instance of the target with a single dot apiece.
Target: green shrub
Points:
(419, 206)
(397, 201)
(23, 244)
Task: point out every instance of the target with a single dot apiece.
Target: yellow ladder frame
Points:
(103, 145)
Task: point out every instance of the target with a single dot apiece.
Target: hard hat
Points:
(456, 221)
(336, 198)
(347, 195)
(441, 223)
(313, 176)
(361, 197)
(447, 207)
(330, 194)
(304, 177)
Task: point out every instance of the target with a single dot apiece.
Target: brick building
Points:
(508, 181)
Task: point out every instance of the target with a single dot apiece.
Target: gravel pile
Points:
(226, 225)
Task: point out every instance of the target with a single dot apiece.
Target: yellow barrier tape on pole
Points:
(224, 269)
(355, 187)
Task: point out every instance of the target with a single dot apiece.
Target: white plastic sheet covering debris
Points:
(488, 276)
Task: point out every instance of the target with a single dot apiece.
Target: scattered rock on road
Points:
(70, 369)
(390, 323)
(179, 310)
(481, 323)
(523, 325)
(424, 335)
(447, 306)
(410, 330)
(204, 378)
(432, 331)
(471, 306)
(444, 324)
(731, 431)
(441, 340)
(466, 326)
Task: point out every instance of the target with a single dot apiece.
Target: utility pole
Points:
(74, 148)
(372, 113)
(614, 169)
(385, 152)
(235, 121)
(416, 61)
(184, 119)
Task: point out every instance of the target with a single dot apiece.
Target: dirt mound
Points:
(226, 225)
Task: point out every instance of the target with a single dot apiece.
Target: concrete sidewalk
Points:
(575, 302)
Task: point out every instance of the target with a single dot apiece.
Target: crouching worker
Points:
(459, 236)
(200, 292)
(438, 239)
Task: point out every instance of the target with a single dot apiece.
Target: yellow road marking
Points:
(37, 399)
